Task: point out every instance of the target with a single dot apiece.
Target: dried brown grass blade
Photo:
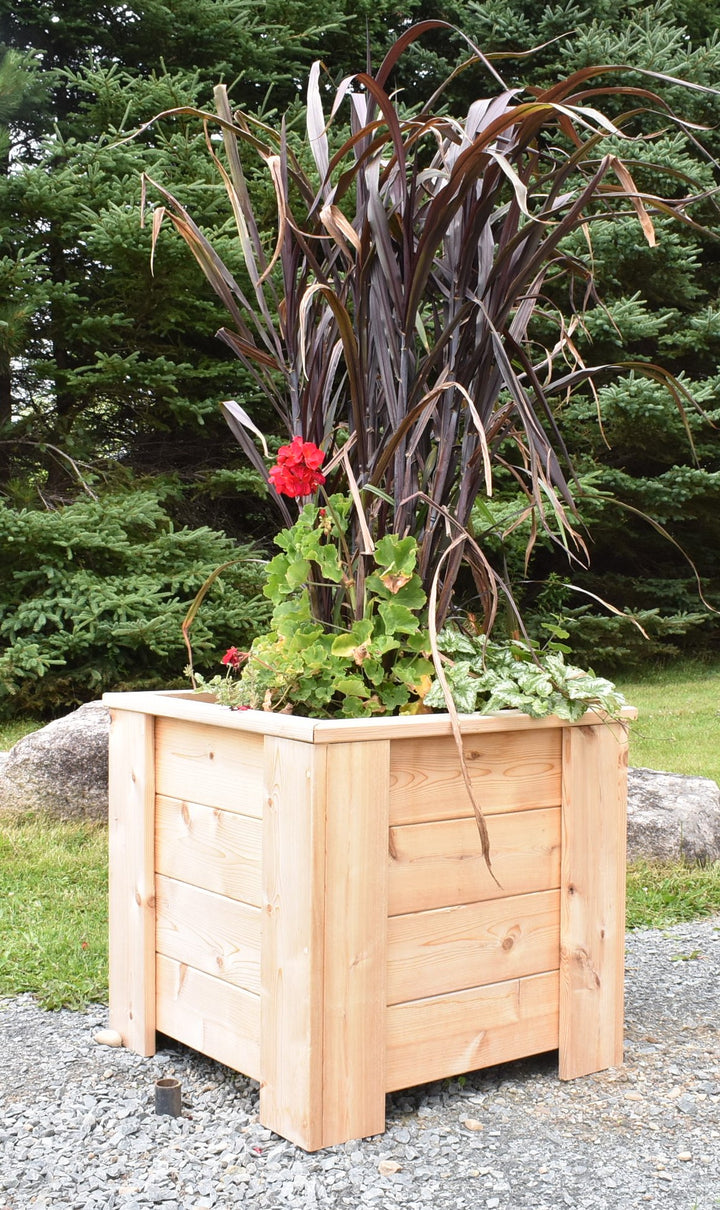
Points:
(452, 710)
(368, 544)
(628, 184)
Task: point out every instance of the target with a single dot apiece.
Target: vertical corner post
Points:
(132, 879)
(592, 898)
(356, 912)
(322, 1034)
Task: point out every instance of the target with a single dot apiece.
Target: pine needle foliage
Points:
(93, 595)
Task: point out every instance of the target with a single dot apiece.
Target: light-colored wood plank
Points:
(212, 1017)
(222, 769)
(198, 709)
(210, 932)
(436, 865)
(292, 960)
(513, 772)
(218, 850)
(355, 926)
(431, 953)
(195, 707)
(132, 893)
(593, 899)
(420, 726)
(444, 1036)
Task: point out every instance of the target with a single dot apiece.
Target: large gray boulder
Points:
(673, 817)
(62, 769)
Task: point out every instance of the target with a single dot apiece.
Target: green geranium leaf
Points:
(411, 670)
(347, 645)
(396, 554)
(383, 644)
(297, 573)
(398, 619)
(393, 696)
(330, 566)
(410, 593)
(352, 686)
(374, 671)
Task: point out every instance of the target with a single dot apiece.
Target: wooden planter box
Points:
(305, 901)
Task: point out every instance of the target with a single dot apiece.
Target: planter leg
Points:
(323, 1001)
(132, 879)
(592, 903)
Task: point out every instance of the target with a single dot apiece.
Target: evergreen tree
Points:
(100, 357)
(632, 442)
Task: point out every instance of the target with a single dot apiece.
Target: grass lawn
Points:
(53, 877)
(678, 726)
(11, 732)
(53, 911)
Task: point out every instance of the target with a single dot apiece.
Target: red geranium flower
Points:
(233, 657)
(297, 470)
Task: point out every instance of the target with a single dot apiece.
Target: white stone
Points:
(107, 1037)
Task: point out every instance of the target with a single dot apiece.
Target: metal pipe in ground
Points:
(168, 1097)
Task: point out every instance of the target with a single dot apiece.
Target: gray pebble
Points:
(80, 1133)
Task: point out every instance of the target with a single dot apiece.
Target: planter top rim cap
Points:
(184, 705)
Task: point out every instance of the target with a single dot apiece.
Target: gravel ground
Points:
(78, 1128)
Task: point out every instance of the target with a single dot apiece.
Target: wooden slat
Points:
(195, 707)
(210, 932)
(513, 772)
(132, 896)
(355, 926)
(447, 1035)
(593, 899)
(431, 953)
(207, 765)
(218, 850)
(420, 726)
(212, 1017)
(200, 708)
(439, 864)
(292, 941)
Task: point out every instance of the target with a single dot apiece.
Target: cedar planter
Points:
(306, 902)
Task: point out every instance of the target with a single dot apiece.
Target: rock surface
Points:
(672, 816)
(62, 769)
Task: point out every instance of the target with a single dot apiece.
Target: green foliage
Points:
(659, 896)
(375, 657)
(93, 596)
(619, 642)
(486, 675)
(372, 658)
